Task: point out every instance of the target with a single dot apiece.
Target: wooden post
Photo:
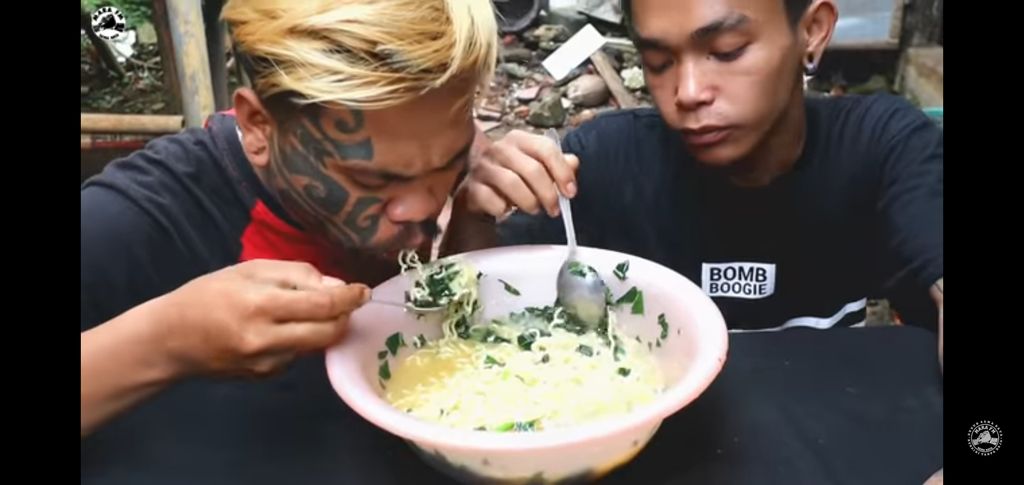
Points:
(215, 30)
(135, 124)
(185, 19)
(172, 91)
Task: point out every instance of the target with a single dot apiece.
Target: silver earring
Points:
(810, 67)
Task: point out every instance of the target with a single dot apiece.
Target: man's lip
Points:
(704, 136)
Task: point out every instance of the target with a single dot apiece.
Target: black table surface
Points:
(837, 406)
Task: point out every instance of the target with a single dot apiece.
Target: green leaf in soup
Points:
(585, 350)
(384, 372)
(526, 425)
(663, 323)
(619, 350)
(394, 342)
(526, 339)
(628, 297)
(517, 426)
(509, 288)
(579, 269)
(621, 269)
(638, 304)
(491, 361)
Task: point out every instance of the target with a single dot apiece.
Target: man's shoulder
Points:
(875, 114)
(155, 219)
(192, 163)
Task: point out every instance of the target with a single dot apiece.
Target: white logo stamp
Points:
(984, 438)
(108, 23)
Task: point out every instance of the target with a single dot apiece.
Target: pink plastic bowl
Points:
(690, 358)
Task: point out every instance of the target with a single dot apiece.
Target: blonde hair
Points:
(367, 54)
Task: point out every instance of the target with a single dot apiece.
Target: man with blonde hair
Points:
(226, 250)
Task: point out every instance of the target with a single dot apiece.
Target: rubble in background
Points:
(524, 96)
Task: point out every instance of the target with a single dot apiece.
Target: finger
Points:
(547, 152)
(331, 281)
(536, 177)
(269, 364)
(325, 303)
(306, 336)
(573, 162)
(283, 274)
(484, 199)
(511, 186)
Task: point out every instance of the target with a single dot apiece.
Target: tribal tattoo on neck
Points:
(300, 172)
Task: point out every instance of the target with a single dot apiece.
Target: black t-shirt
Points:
(859, 216)
(186, 205)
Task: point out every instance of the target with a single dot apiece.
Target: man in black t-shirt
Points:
(235, 248)
(789, 212)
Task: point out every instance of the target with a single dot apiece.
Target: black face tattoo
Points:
(307, 191)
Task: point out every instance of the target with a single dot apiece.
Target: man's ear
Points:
(815, 30)
(256, 125)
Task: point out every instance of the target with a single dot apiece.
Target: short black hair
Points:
(794, 10)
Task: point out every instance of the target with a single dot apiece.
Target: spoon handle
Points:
(388, 303)
(563, 203)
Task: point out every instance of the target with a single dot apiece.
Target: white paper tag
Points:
(573, 52)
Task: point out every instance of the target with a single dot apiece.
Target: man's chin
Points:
(719, 156)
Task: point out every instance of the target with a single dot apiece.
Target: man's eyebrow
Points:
(727, 22)
(394, 177)
(646, 43)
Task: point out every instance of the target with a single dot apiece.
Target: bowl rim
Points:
(359, 394)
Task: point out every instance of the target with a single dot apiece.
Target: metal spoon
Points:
(580, 290)
(407, 306)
